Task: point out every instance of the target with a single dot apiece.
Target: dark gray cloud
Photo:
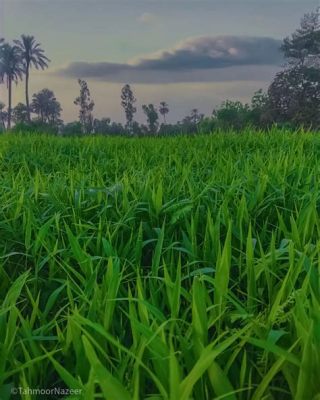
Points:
(198, 59)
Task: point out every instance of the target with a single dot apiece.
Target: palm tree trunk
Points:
(9, 102)
(27, 93)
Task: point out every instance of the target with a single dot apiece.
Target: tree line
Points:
(292, 99)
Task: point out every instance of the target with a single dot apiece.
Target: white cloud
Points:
(204, 59)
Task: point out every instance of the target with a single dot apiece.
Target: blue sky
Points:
(109, 37)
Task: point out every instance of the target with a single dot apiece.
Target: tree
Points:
(195, 117)
(136, 129)
(303, 47)
(294, 94)
(71, 129)
(11, 70)
(102, 126)
(54, 113)
(117, 129)
(3, 117)
(164, 110)
(46, 106)
(260, 113)
(32, 55)
(259, 100)
(190, 123)
(232, 115)
(86, 106)
(20, 114)
(236, 115)
(127, 102)
(152, 117)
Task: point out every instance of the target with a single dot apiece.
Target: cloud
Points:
(147, 18)
(194, 60)
(215, 52)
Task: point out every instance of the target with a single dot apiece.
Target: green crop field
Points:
(161, 268)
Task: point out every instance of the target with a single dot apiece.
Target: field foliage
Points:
(161, 268)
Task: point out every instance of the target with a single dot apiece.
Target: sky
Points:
(189, 53)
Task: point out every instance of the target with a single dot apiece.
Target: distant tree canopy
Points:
(31, 55)
(127, 102)
(15, 63)
(164, 110)
(3, 117)
(236, 115)
(294, 95)
(152, 117)
(293, 98)
(72, 129)
(101, 125)
(232, 114)
(302, 49)
(86, 106)
(20, 114)
(46, 106)
(11, 71)
(105, 126)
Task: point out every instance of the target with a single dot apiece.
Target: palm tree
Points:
(163, 110)
(11, 70)
(46, 106)
(32, 55)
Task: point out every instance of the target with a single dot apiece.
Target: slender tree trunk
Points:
(9, 102)
(27, 93)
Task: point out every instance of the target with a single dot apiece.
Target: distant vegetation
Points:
(292, 100)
